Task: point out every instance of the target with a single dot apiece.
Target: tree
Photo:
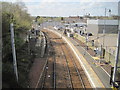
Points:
(62, 18)
(22, 22)
(36, 19)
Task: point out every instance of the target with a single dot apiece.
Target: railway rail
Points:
(40, 82)
(61, 69)
(69, 58)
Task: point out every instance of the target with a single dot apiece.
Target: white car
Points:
(55, 27)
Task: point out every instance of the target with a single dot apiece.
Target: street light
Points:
(109, 12)
(104, 29)
(13, 49)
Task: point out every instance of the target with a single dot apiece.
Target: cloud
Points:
(68, 8)
(62, 0)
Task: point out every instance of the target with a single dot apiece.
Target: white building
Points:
(105, 34)
(99, 26)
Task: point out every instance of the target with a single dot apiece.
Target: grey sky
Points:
(70, 7)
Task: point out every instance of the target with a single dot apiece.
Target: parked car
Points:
(89, 34)
(55, 27)
(60, 28)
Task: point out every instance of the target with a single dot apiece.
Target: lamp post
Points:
(13, 51)
(109, 12)
(102, 50)
(104, 29)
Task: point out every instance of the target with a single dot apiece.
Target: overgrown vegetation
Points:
(16, 13)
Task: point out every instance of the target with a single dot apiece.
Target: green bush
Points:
(16, 13)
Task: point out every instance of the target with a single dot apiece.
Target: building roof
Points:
(102, 22)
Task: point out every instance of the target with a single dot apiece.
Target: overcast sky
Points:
(69, 7)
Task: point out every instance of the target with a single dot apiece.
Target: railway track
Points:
(51, 64)
(61, 69)
(73, 77)
(47, 77)
(40, 82)
(64, 76)
(75, 67)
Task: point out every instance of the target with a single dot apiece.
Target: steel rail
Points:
(54, 65)
(43, 70)
(76, 68)
(68, 69)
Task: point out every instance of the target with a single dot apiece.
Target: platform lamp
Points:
(109, 12)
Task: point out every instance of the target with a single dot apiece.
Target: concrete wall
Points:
(98, 29)
(97, 26)
(110, 58)
(92, 28)
(108, 29)
(110, 42)
(108, 22)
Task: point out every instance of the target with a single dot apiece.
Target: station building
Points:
(98, 26)
(105, 34)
